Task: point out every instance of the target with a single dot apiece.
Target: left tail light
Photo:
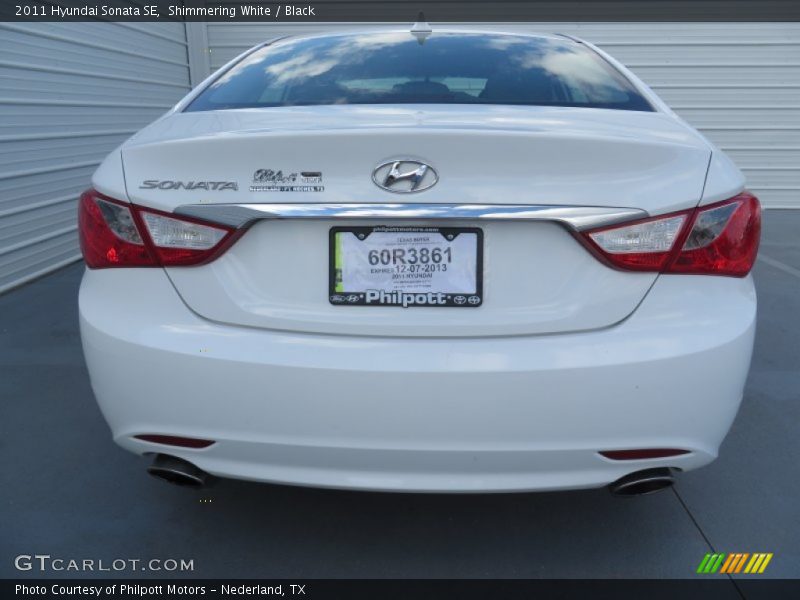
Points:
(118, 234)
(718, 239)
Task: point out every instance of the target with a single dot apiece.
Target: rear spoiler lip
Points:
(575, 218)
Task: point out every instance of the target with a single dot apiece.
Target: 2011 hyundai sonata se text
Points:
(420, 261)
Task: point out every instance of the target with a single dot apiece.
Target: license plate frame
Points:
(395, 298)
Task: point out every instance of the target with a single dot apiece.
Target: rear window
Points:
(442, 68)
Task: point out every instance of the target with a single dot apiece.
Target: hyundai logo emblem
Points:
(404, 176)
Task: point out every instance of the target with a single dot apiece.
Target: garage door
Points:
(71, 92)
(738, 83)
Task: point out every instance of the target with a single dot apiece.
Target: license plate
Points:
(406, 266)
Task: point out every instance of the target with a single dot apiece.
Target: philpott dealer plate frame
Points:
(406, 299)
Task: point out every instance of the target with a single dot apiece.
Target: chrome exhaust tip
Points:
(642, 483)
(178, 471)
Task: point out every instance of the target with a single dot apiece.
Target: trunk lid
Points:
(537, 278)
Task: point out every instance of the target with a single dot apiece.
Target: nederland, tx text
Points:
(142, 591)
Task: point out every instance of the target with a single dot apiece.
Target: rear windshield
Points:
(439, 68)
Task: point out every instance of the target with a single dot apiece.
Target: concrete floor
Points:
(68, 491)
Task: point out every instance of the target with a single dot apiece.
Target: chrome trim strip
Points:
(577, 218)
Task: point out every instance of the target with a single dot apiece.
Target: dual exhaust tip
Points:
(643, 483)
(178, 472)
(183, 473)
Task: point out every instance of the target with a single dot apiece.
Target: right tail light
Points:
(718, 239)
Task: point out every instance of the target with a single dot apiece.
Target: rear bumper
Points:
(420, 414)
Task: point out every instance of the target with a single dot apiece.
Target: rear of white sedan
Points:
(447, 261)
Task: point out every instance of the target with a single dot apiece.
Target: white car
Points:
(447, 261)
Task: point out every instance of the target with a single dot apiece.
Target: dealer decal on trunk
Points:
(269, 180)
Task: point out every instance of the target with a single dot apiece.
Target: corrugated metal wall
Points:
(739, 83)
(69, 94)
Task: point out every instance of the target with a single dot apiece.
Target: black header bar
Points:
(403, 11)
(707, 588)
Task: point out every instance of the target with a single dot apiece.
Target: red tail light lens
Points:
(118, 234)
(723, 240)
(719, 239)
(108, 234)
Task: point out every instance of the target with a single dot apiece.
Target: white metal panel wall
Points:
(738, 83)
(69, 94)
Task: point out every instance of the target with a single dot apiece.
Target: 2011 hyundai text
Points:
(420, 260)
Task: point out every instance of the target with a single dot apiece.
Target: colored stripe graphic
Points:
(758, 563)
(741, 562)
(703, 563)
(734, 562)
(729, 563)
(711, 563)
(752, 563)
(765, 563)
(715, 567)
